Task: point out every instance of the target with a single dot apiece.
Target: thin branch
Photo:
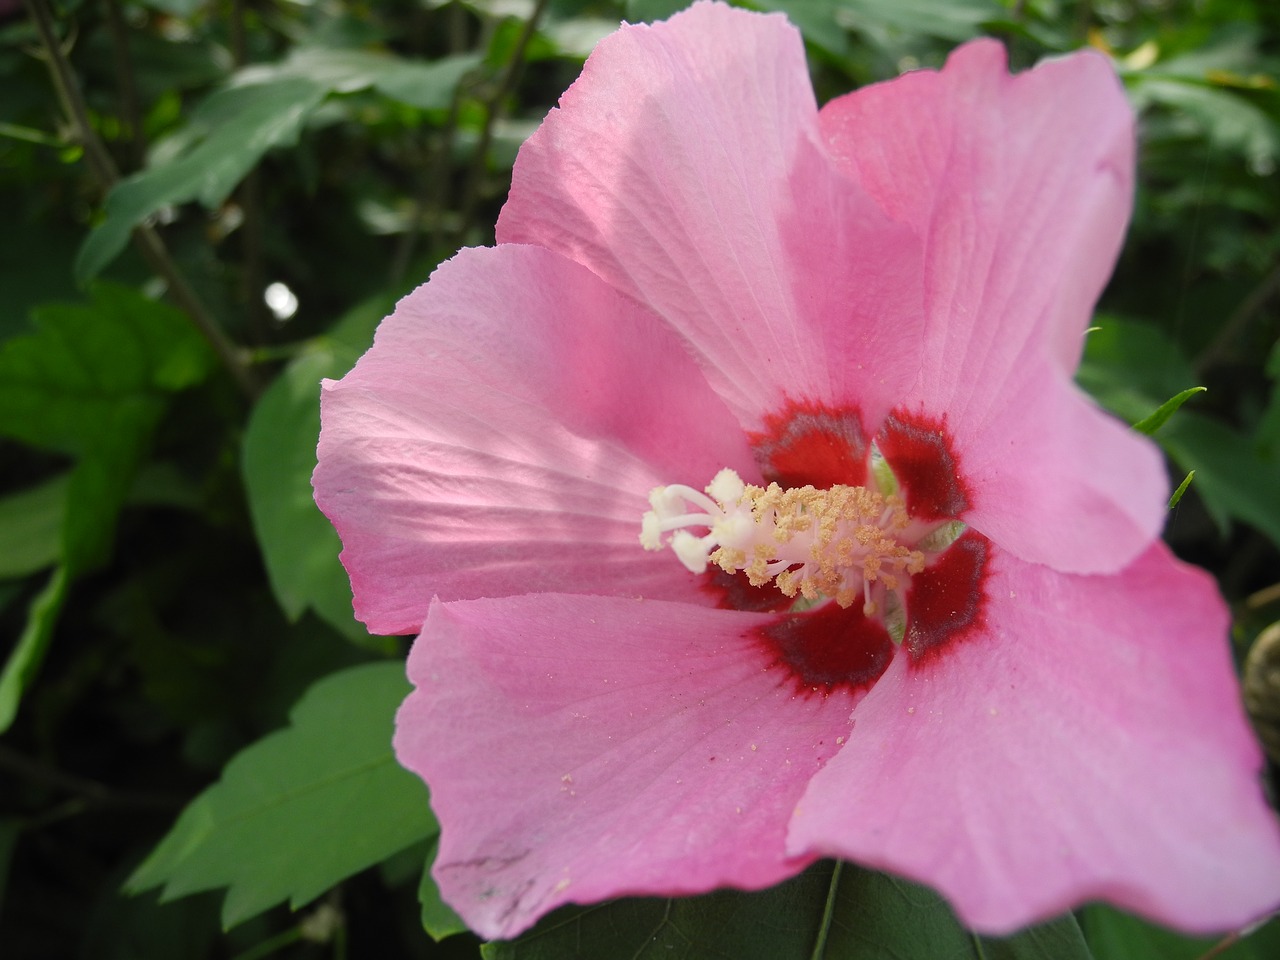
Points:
(253, 278)
(68, 92)
(505, 86)
(81, 787)
(107, 174)
(129, 104)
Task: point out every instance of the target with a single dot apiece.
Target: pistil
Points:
(836, 543)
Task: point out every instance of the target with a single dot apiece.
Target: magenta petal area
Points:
(582, 748)
(502, 436)
(686, 168)
(1088, 745)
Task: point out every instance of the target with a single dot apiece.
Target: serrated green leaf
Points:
(438, 918)
(89, 367)
(301, 809)
(1160, 417)
(31, 528)
(829, 912)
(298, 544)
(90, 382)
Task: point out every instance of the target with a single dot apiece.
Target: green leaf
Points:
(31, 528)
(303, 808)
(1230, 121)
(1060, 939)
(28, 653)
(647, 11)
(90, 382)
(829, 912)
(427, 85)
(299, 545)
(1232, 478)
(778, 924)
(230, 131)
(1127, 367)
(1116, 935)
(263, 107)
(1155, 421)
(1182, 488)
(89, 368)
(954, 20)
(438, 918)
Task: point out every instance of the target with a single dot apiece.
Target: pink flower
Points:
(702, 281)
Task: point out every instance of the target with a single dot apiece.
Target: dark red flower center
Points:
(829, 647)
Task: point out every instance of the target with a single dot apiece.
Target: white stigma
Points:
(835, 543)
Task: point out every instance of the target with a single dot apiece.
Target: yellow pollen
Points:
(832, 543)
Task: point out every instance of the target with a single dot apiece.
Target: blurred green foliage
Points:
(249, 184)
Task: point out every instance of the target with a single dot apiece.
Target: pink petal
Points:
(685, 168)
(1090, 745)
(502, 436)
(1021, 188)
(1055, 480)
(582, 748)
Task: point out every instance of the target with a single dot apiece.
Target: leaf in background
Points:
(829, 912)
(425, 84)
(1128, 367)
(90, 382)
(438, 918)
(1232, 478)
(952, 20)
(303, 808)
(234, 127)
(31, 528)
(777, 924)
(1150, 424)
(1269, 424)
(1116, 935)
(1229, 121)
(647, 11)
(263, 107)
(299, 545)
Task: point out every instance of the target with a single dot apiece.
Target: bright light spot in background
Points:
(280, 301)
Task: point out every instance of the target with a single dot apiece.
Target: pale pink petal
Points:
(1089, 744)
(502, 436)
(1021, 187)
(685, 167)
(582, 748)
(1058, 481)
